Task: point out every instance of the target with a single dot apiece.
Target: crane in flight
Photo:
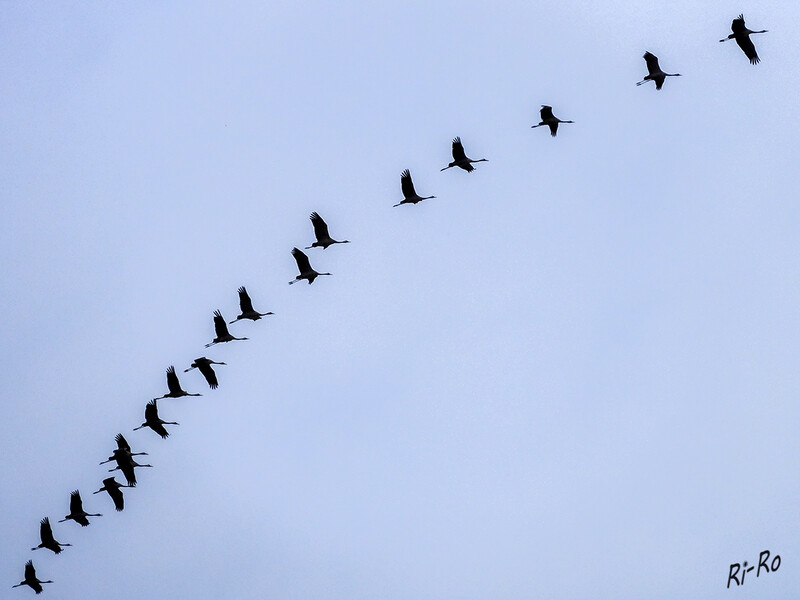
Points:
(30, 579)
(76, 512)
(321, 233)
(223, 335)
(112, 486)
(742, 36)
(246, 305)
(124, 459)
(654, 72)
(460, 158)
(546, 114)
(174, 385)
(48, 541)
(410, 195)
(306, 272)
(154, 422)
(203, 364)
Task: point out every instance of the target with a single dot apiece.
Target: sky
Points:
(572, 374)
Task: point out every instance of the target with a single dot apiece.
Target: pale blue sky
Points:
(573, 374)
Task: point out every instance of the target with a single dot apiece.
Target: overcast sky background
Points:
(573, 374)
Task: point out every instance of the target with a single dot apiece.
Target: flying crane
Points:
(546, 114)
(223, 335)
(203, 364)
(246, 305)
(460, 158)
(76, 512)
(742, 36)
(654, 72)
(174, 385)
(306, 272)
(321, 233)
(410, 195)
(112, 486)
(31, 579)
(154, 422)
(48, 541)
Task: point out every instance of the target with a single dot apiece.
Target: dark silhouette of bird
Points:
(124, 459)
(76, 512)
(175, 389)
(246, 305)
(410, 195)
(654, 71)
(460, 159)
(122, 447)
(221, 329)
(111, 486)
(31, 579)
(306, 272)
(126, 464)
(204, 365)
(48, 541)
(321, 232)
(546, 114)
(153, 421)
(742, 36)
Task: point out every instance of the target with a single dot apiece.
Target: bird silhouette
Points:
(742, 36)
(246, 305)
(31, 579)
(306, 272)
(127, 464)
(410, 195)
(203, 364)
(221, 329)
(123, 456)
(321, 233)
(174, 385)
(546, 114)
(76, 512)
(46, 535)
(654, 72)
(460, 158)
(153, 421)
(112, 486)
(123, 447)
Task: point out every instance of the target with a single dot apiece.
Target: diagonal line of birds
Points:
(123, 455)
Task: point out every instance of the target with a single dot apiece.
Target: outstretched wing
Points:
(46, 533)
(746, 44)
(407, 185)
(122, 443)
(546, 113)
(151, 411)
(208, 372)
(75, 503)
(302, 260)
(220, 327)
(737, 26)
(244, 300)
(652, 62)
(172, 383)
(116, 494)
(458, 150)
(320, 227)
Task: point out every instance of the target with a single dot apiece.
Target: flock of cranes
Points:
(123, 455)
